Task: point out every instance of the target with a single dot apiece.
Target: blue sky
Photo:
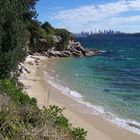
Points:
(87, 15)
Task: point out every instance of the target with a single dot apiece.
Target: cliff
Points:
(49, 41)
(43, 37)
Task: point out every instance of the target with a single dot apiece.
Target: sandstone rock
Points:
(56, 39)
(70, 42)
(91, 52)
(74, 50)
(43, 40)
(30, 63)
(23, 69)
(68, 53)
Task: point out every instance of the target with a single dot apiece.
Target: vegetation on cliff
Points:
(44, 36)
(20, 117)
(18, 28)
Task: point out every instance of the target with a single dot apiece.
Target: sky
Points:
(91, 15)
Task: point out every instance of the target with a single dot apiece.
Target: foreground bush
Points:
(21, 119)
(31, 123)
(15, 94)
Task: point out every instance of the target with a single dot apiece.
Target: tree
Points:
(48, 28)
(28, 9)
(13, 38)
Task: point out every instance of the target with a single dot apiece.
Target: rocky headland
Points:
(74, 49)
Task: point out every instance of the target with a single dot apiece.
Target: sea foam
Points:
(130, 125)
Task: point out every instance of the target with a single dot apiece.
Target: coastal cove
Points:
(69, 70)
(37, 86)
(108, 83)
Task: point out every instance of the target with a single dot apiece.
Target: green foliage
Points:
(37, 33)
(63, 33)
(12, 37)
(35, 29)
(16, 94)
(48, 28)
(14, 16)
(29, 122)
(46, 31)
(17, 122)
(28, 9)
(56, 116)
(20, 118)
(79, 133)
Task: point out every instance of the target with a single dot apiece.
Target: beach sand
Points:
(79, 115)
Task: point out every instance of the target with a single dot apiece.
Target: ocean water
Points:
(109, 84)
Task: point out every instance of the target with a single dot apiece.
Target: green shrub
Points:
(79, 133)
(16, 94)
(48, 28)
(56, 116)
(29, 122)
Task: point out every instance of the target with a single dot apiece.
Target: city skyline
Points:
(76, 16)
(95, 31)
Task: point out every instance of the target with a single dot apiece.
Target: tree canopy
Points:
(13, 22)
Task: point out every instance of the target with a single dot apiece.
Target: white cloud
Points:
(125, 20)
(99, 16)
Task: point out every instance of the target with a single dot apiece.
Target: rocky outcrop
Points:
(75, 50)
(22, 68)
(39, 45)
(56, 39)
(70, 42)
(92, 52)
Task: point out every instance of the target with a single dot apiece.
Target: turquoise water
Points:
(110, 81)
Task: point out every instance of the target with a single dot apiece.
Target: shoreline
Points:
(97, 127)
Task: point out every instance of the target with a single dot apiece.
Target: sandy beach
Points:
(79, 115)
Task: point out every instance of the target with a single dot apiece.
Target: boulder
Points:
(30, 63)
(56, 39)
(55, 53)
(90, 53)
(45, 53)
(23, 69)
(68, 53)
(77, 48)
(74, 50)
(70, 42)
(42, 40)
